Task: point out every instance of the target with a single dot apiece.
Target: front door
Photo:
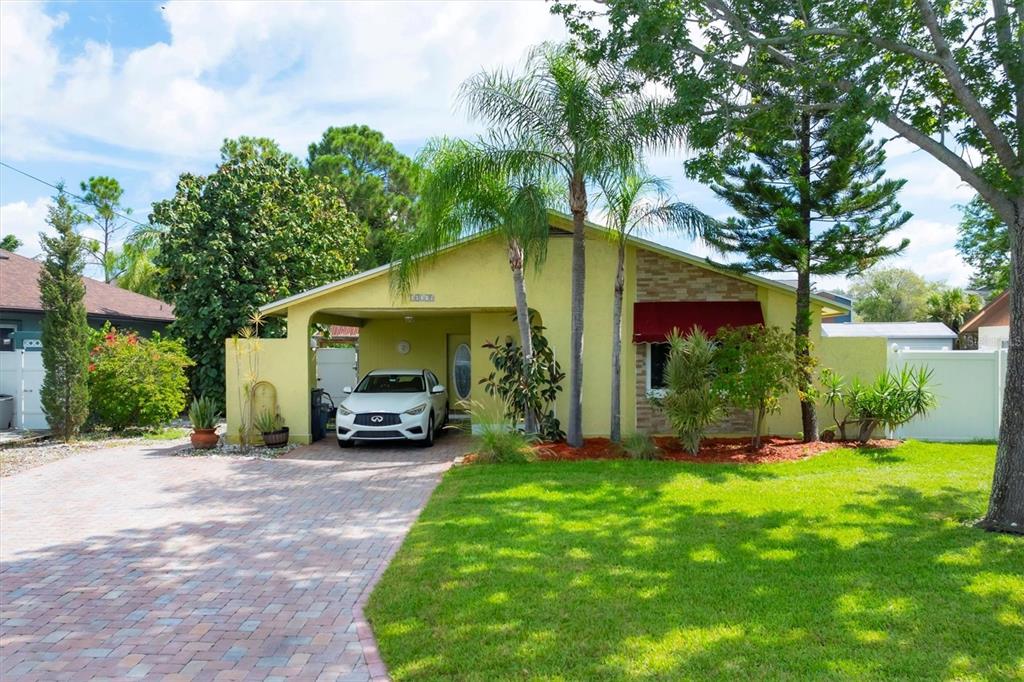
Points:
(460, 375)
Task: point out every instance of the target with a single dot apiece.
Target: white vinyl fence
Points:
(21, 376)
(968, 385)
(336, 369)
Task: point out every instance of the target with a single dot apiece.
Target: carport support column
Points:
(298, 344)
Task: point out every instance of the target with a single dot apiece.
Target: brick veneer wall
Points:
(660, 278)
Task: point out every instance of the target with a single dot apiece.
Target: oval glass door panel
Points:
(462, 375)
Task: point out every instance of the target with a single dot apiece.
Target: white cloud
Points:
(25, 220)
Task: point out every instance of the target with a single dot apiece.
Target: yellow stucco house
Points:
(463, 298)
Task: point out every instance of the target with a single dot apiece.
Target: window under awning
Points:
(653, 320)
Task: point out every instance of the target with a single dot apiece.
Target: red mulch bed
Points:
(773, 449)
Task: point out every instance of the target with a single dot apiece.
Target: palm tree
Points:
(465, 192)
(568, 120)
(638, 203)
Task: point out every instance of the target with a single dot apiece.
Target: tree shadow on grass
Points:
(611, 573)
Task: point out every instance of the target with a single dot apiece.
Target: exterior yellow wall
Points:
(861, 358)
(472, 293)
(283, 363)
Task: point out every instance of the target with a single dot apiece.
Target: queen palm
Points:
(574, 122)
(639, 203)
(464, 192)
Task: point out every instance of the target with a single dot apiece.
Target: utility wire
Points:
(73, 195)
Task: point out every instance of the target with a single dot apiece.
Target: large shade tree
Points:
(257, 229)
(812, 200)
(560, 117)
(464, 192)
(984, 244)
(947, 77)
(638, 203)
(376, 181)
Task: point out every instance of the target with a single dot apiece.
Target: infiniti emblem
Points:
(377, 419)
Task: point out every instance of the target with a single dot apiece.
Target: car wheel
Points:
(344, 443)
(429, 440)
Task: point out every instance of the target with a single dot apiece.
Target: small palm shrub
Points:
(891, 400)
(268, 422)
(692, 400)
(203, 413)
(136, 382)
(640, 446)
(496, 439)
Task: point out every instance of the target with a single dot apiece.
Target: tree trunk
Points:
(802, 327)
(578, 206)
(615, 429)
(1006, 504)
(758, 425)
(515, 262)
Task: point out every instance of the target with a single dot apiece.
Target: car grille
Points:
(378, 419)
(369, 435)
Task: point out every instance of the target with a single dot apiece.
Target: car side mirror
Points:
(347, 389)
(437, 389)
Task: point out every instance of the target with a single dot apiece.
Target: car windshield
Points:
(391, 383)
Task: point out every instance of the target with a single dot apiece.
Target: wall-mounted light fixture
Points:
(409, 319)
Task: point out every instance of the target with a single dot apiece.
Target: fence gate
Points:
(21, 375)
(335, 369)
(968, 386)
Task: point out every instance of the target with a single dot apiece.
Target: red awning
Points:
(653, 320)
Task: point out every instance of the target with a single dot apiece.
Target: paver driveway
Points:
(133, 563)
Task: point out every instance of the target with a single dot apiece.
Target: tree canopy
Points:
(376, 181)
(891, 295)
(984, 244)
(257, 229)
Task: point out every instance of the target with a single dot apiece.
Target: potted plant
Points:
(271, 427)
(204, 415)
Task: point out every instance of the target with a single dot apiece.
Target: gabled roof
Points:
(19, 291)
(995, 314)
(889, 330)
(563, 222)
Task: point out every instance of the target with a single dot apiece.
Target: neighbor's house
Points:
(845, 304)
(21, 318)
(463, 299)
(21, 311)
(990, 328)
(905, 335)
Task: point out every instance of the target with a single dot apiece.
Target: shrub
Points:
(640, 446)
(517, 391)
(891, 400)
(204, 413)
(136, 382)
(496, 440)
(692, 400)
(756, 368)
(268, 422)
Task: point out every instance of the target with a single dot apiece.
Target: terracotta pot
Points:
(204, 439)
(276, 439)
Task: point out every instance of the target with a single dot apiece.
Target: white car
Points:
(393, 404)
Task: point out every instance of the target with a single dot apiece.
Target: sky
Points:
(144, 91)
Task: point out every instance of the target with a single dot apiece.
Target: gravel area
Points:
(227, 450)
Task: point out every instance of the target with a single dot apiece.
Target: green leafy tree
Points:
(952, 307)
(891, 295)
(639, 203)
(65, 337)
(102, 203)
(812, 200)
(257, 229)
(376, 181)
(560, 117)
(464, 192)
(693, 399)
(10, 243)
(947, 77)
(984, 244)
(756, 369)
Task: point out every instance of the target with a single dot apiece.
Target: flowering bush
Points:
(134, 381)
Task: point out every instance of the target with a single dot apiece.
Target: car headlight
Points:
(344, 411)
(416, 410)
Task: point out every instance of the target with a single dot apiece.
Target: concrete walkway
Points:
(133, 563)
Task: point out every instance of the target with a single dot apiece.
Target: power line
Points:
(71, 194)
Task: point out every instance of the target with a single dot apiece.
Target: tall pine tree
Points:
(65, 391)
(811, 200)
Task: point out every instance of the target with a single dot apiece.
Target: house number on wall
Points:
(422, 298)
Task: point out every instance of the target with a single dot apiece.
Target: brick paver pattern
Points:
(131, 563)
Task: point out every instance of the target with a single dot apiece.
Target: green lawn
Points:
(850, 565)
